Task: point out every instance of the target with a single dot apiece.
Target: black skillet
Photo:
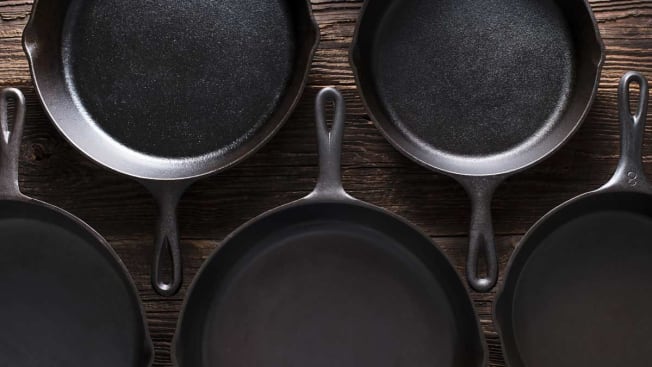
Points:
(478, 90)
(67, 300)
(328, 281)
(577, 290)
(168, 91)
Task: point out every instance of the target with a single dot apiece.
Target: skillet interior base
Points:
(584, 296)
(325, 292)
(179, 78)
(65, 301)
(474, 79)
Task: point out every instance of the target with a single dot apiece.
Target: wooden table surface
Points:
(285, 170)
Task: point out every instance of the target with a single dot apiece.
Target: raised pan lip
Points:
(190, 178)
(504, 173)
(126, 275)
(316, 200)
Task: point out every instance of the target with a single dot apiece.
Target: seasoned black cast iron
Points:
(478, 90)
(328, 281)
(577, 290)
(67, 300)
(168, 91)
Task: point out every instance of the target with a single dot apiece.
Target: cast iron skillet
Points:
(477, 90)
(67, 300)
(328, 281)
(168, 91)
(577, 290)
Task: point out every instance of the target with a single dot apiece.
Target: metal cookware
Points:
(67, 299)
(328, 281)
(478, 91)
(168, 91)
(577, 290)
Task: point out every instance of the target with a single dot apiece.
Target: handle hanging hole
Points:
(329, 113)
(634, 96)
(482, 267)
(329, 140)
(12, 121)
(8, 118)
(12, 113)
(165, 269)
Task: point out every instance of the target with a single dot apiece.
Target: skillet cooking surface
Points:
(178, 78)
(592, 308)
(470, 79)
(66, 301)
(328, 285)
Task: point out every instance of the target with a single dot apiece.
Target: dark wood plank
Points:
(285, 169)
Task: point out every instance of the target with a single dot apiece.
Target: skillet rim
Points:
(317, 198)
(353, 49)
(198, 160)
(120, 267)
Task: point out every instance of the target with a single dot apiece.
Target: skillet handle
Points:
(630, 174)
(329, 183)
(481, 235)
(10, 141)
(166, 245)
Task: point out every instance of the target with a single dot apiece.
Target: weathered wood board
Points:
(122, 211)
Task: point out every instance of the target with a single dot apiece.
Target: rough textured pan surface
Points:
(169, 89)
(510, 66)
(577, 290)
(328, 280)
(477, 90)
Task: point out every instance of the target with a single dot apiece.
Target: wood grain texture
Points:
(285, 169)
